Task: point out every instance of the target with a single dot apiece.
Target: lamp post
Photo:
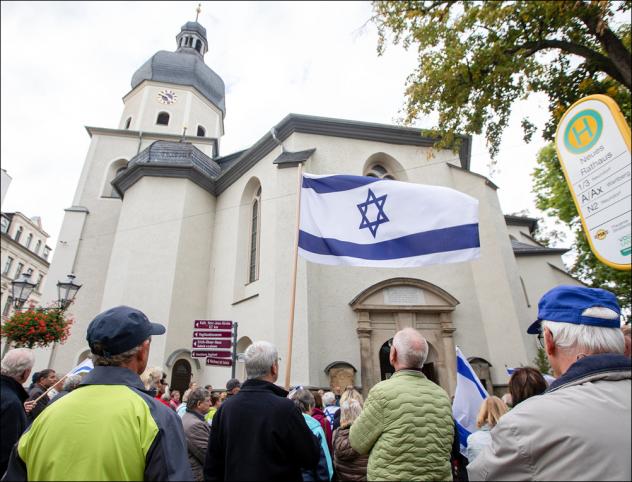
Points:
(21, 289)
(66, 291)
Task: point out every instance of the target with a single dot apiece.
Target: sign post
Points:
(593, 146)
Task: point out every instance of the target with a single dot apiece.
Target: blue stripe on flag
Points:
(462, 368)
(463, 433)
(428, 242)
(323, 185)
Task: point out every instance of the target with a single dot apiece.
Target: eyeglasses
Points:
(541, 339)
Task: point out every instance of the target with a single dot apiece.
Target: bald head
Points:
(409, 349)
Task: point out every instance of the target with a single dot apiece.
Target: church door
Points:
(181, 376)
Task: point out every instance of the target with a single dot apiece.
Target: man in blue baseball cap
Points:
(109, 428)
(579, 429)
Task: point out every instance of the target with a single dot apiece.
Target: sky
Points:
(66, 65)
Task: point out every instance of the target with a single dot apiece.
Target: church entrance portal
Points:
(394, 304)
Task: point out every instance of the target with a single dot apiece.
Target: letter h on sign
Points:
(585, 130)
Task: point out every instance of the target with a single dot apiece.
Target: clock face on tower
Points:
(167, 96)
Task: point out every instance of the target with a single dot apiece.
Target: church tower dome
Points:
(185, 66)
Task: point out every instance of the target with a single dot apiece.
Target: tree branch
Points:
(604, 63)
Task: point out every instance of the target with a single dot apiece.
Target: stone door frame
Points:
(435, 324)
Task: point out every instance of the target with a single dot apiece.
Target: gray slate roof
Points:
(185, 67)
(293, 158)
(195, 27)
(528, 249)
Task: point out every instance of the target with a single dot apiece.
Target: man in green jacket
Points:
(109, 428)
(406, 425)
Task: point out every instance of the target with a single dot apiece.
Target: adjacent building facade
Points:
(163, 222)
(23, 251)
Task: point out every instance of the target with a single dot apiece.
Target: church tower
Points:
(140, 228)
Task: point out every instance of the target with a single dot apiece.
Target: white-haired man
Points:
(579, 429)
(16, 368)
(406, 425)
(259, 434)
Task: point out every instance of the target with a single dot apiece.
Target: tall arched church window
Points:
(128, 122)
(114, 169)
(379, 171)
(163, 119)
(253, 273)
(201, 131)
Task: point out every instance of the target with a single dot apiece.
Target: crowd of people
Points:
(121, 422)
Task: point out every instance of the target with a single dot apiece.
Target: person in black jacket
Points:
(16, 368)
(258, 434)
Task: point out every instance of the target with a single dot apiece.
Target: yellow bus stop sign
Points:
(593, 146)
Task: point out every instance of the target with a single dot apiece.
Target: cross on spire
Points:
(198, 10)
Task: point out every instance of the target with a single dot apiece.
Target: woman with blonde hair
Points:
(349, 464)
(490, 412)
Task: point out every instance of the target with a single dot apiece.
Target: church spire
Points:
(198, 10)
(192, 36)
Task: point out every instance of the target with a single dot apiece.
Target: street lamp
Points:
(21, 289)
(66, 291)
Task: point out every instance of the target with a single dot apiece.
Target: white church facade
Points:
(164, 222)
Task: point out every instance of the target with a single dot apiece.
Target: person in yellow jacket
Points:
(109, 428)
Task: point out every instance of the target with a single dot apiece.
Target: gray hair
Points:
(411, 348)
(349, 411)
(72, 382)
(259, 357)
(329, 398)
(585, 338)
(196, 396)
(303, 399)
(17, 361)
(115, 360)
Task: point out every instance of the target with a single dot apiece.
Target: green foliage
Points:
(475, 59)
(541, 361)
(554, 197)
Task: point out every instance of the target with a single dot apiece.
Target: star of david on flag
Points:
(381, 216)
(366, 221)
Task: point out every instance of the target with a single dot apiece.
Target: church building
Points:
(164, 221)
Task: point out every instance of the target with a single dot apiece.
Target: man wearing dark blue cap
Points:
(579, 429)
(109, 428)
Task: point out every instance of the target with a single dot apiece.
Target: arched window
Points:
(128, 122)
(198, 45)
(379, 171)
(38, 246)
(29, 240)
(18, 234)
(253, 270)
(163, 119)
(114, 169)
(201, 131)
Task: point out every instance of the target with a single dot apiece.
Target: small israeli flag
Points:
(83, 367)
(366, 221)
(468, 398)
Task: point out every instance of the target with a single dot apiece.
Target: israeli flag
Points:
(468, 398)
(83, 367)
(366, 221)
(548, 378)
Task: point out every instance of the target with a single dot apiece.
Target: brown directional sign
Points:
(213, 353)
(219, 362)
(211, 343)
(212, 334)
(214, 324)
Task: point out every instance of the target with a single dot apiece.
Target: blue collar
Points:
(592, 365)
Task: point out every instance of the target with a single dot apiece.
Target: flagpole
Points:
(290, 331)
(50, 388)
